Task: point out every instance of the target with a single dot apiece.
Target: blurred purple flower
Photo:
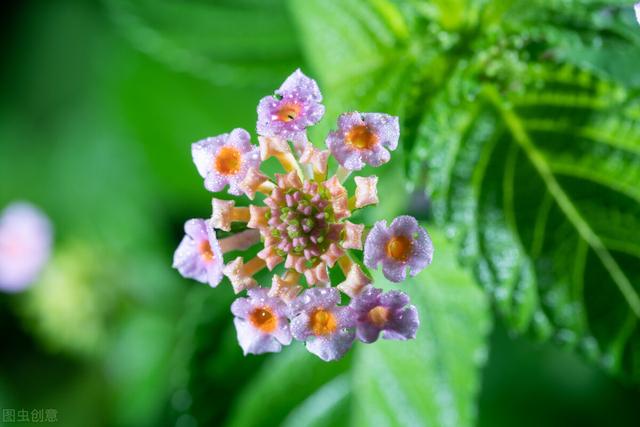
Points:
(389, 313)
(293, 108)
(403, 244)
(326, 328)
(261, 322)
(199, 256)
(363, 138)
(636, 7)
(25, 245)
(225, 159)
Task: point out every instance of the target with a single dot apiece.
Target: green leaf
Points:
(527, 129)
(543, 184)
(599, 36)
(432, 380)
(240, 42)
(328, 406)
(292, 379)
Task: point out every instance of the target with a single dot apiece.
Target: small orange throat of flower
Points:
(361, 137)
(399, 248)
(228, 161)
(322, 322)
(263, 319)
(288, 112)
(205, 251)
(379, 316)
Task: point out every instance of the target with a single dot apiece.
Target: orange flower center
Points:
(322, 322)
(379, 316)
(205, 251)
(361, 137)
(288, 112)
(399, 248)
(228, 161)
(263, 319)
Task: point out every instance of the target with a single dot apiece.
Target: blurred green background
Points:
(100, 102)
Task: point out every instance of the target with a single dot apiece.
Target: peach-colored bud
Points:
(289, 180)
(253, 182)
(366, 190)
(354, 283)
(238, 277)
(270, 257)
(352, 235)
(222, 213)
(316, 158)
(322, 274)
(317, 275)
(338, 197)
(332, 254)
(295, 262)
(272, 146)
(286, 287)
(257, 217)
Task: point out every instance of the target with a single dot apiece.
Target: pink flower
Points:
(225, 160)
(389, 313)
(364, 138)
(402, 245)
(261, 322)
(199, 256)
(25, 245)
(293, 108)
(326, 327)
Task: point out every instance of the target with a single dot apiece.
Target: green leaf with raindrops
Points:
(526, 135)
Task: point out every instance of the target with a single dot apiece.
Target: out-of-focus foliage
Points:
(526, 117)
(228, 42)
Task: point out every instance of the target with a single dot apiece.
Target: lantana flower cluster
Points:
(301, 218)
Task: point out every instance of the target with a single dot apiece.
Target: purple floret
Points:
(25, 245)
(261, 322)
(389, 313)
(636, 7)
(364, 138)
(293, 108)
(225, 160)
(199, 256)
(326, 328)
(403, 244)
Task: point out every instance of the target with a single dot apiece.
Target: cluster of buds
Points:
(301, 219)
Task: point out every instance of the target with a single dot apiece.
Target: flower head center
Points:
(205, 251)
(399, 248)
(288, 112)
(379, 316)
(361, 137)
(263, 319)
(300, 222)
(228, 161)
(322, 322)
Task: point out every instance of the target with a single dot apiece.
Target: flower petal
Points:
(332, 347)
